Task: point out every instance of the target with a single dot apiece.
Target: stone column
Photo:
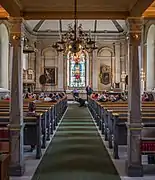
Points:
(123, 66)
(143, 55)
(16, 111)
(117, 62)
(90, 67)
(60, 71)
(95, 71)
(38, 65)
(134, 125)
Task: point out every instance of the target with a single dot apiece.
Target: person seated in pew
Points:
(145, 97)
(103, 97)
(31, 113)
(37, 99)
(93, 95)
(47, 98)
(7, 97)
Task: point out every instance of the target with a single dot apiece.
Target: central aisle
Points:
(76, 152)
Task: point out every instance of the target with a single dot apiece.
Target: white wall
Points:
(25, 61)
(150, 76)
(4, 52)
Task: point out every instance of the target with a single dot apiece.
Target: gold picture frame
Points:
(105, 74)
(51, 75)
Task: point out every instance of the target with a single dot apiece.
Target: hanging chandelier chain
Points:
(75, 39)
(75, 19)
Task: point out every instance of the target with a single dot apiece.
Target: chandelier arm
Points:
(75, 18)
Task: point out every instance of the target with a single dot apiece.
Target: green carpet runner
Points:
(77, 151)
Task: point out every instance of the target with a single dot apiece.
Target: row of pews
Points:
(112, 117)
(37, 129)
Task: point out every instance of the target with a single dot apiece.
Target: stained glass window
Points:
(76, 70)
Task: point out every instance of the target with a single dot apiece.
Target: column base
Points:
(16, 170)
(134, 170)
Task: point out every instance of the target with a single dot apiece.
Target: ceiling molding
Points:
(118, 26)
(38, 25)
(70, 15)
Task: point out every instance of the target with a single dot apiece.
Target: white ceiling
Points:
(54, 25)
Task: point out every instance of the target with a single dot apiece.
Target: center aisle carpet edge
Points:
(77, 151)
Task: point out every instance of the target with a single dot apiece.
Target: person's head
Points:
(7, 96)
(37, 97)
(32, 107)
(50, 95)
(26, 96)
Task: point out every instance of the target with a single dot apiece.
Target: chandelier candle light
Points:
(75, 39)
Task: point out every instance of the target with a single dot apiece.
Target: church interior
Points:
(77, 90)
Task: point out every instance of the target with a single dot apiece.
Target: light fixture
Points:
(27, 47)
(75, 39)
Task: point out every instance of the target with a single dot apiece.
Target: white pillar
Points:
(95, 71)
(60, 71)
(38, 65)
(117, 63)
(4, 50)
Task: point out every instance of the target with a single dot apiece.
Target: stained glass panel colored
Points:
(77, 71)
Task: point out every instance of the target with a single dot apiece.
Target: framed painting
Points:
(105, 74)
(51, 75)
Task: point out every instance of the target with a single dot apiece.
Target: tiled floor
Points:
(31, 165)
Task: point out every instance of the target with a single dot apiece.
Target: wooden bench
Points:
(114, 117)
(4, 166)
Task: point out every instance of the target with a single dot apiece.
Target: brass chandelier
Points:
(75, 39)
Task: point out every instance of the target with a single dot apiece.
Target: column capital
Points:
(135, 25)
(15, 30)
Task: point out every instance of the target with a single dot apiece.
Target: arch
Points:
(107, 49)
(4, 55)
(49, 51)
(150, 76)
(49, 55)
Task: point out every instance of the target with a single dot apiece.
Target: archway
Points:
(150, 77)
(4, 51)
(105, 68)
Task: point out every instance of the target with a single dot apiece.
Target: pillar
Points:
(134, 125)
(16, 108)
(143, 55)
(60, 71)
(95, 71)
(144, 58)
(117, 62)
(123, 65)
(90, 68)
(38, 65)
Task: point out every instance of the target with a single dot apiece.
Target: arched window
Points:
(76, 70)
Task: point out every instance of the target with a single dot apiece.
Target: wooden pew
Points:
(32, 131)
(4, 166)
(40, 107)
(148, 118)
